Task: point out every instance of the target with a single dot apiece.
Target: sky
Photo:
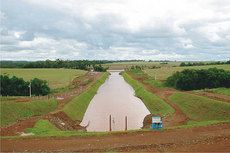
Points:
(115, 29)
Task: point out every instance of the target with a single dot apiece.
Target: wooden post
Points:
(110, 124)
(126, 123)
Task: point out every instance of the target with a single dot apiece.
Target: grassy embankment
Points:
(58, 79)
(201, 110)
(11, 111)
(76, 108)
(154, 104)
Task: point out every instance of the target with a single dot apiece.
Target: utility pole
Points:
(30, 88)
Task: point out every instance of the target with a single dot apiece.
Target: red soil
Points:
(202, 139)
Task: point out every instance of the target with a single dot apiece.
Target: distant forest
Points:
(71, 64)
(203, 63)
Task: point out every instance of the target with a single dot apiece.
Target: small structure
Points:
(157, 122)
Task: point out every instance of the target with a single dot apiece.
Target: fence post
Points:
(110, 125)
(126, 123)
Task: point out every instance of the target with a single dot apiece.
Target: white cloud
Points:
(117, 29)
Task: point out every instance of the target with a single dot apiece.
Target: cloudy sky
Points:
(115, 29)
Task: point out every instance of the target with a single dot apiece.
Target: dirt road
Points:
(202, 139)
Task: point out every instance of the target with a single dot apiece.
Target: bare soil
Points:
(202, 139)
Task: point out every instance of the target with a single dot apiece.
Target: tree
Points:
(39, 87)
(15, 86)
(189, 79)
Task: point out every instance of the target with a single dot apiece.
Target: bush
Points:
(15, 86)
(99, 68)
(39, 87)
(189, 79)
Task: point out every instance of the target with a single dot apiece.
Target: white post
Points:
(30, 89)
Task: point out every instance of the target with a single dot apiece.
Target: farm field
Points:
(56, 78)
(123, 65)
(164, 72)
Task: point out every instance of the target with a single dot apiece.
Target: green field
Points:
(164, 72)
(11, 111)
(57, 78)
(154, 104)
(76, 108)
(199, 108)
(123, 65)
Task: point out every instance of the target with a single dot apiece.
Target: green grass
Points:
(154, 104)
(164, 72)
(76, 108)
(43, 128)
(223, 91)
(199, 108)
(12, 111)
(56, 78)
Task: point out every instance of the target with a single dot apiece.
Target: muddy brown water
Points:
(116, 98)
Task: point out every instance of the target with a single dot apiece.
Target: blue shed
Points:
(157, 122)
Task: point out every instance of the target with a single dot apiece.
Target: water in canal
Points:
(116, 98)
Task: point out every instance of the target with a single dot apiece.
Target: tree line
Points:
(203, 63)
(74, 64)
(14, 86)
(190, 79)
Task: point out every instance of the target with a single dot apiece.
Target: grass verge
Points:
(199, 108)
(12, 111)
(76, 108)
(154, 104)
